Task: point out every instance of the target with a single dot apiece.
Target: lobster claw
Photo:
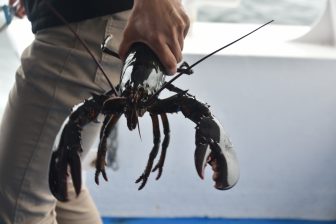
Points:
(214, 147)
(57, 176)
(66, 158)
(58, 173)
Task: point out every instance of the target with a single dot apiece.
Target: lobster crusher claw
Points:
(214, 147)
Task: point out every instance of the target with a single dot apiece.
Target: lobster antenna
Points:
(139, 129)
(59, 16)
(204, 58)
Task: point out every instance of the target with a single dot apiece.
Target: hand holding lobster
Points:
(162, 25)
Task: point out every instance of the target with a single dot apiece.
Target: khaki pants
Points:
(55, 74)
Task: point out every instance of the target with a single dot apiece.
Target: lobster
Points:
(142, 79)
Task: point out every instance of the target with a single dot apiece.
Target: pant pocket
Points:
(112, 65)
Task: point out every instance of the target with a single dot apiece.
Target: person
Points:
(57, 73)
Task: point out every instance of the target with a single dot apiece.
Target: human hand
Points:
(162, 25)
(19, 5)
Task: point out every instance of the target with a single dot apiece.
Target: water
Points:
(289, 12)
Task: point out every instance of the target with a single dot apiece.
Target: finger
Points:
(187, 26)
(178, 34)
(166, 57)
(123, 48)
(186, 22)
(182, 30)
(176, 50)
(125, 45)
(181, 40)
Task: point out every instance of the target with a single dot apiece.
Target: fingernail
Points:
(172, 71)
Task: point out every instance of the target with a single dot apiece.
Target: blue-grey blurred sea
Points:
(289, 12)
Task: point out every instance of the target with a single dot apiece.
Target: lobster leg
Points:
(165, 143)
(105, 122)
(67, 154)
(153, 153)
(212, 143)
(109, 124)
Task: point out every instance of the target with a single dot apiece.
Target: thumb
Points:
(124, 47)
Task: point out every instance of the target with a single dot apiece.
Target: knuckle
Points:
(185, 18)
(180, 25)
(154, 38)
(187, 21)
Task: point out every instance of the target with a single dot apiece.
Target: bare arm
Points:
(162, 25)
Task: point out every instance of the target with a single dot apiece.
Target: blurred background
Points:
(286, 12)
(275, 94)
